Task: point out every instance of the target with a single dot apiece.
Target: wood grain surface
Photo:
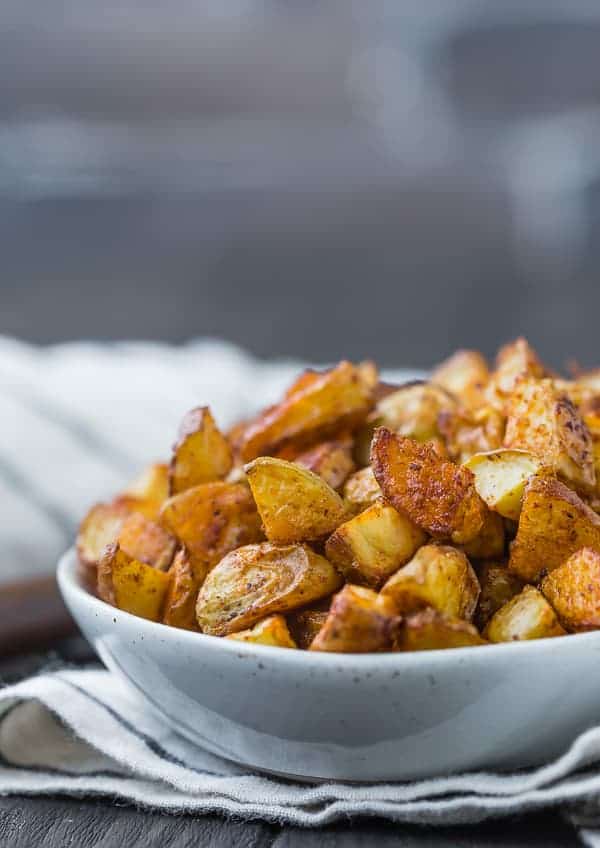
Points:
(32, 615)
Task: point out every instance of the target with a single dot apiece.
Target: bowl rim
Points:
(71, 586)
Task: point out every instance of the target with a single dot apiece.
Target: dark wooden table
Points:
(53, 822)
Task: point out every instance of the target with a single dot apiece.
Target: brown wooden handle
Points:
(32, 615)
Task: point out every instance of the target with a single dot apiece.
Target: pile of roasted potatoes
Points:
(360, 516)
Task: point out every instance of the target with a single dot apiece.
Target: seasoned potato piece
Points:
(332, 461)
(437, 495)
(471, 431)
(489, 543)
(500, 478)
(413, 410)
(257, 580)
(149, 491)
(212, 519)
(554, 524)
(527, 616)
(131, 585)
(438, 576)
(573, 589)
(99, 528)
(270, 631)
(429, 630)
(361, 490)
(359, 621)
(186, 579)
(514, 361)
(146, 541)
(547, 424)
(316, 406)
(372, 545)
(295, 505)
(201, 454)
(465, 375)
(498, 586)
(304, 624)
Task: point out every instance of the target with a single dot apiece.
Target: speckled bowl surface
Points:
(348, 716)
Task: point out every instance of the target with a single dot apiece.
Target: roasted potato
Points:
(438, 576)
(547, 424)
(146, 541)
(372, 545)
(131, 585)
(466, 432)
(295, 505)
(413, 410)
(514, 361)
(255, 581)
(554, 523)
(465, 375)
(526, 616)
(359, 621)
(316, 406)
(500, 478)
(212, 519)
(489, 543)
(99, 528)
(429, 630)
(148, 492)
(498, 586)
(437, 495)
(361, 490)
(304, 624)
(201, 454)
(573, 589)
(270, 631)
(332, 461)
(180, 603)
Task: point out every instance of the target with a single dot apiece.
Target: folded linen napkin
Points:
(84, 733)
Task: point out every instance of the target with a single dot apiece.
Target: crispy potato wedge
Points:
(573, 589)
(201, 454)
(526, 616)
(372, 545)
(413, 410)
(361, 490)
(359, 621)
(438, 576)
(146, 541)
(304, 624)
(500, 478)
(270, 631)
(514, 361)
(437, 495)
(467, 432)
(255, 581)
(130, 585)
(490, 542)
(547, 424)
(498, 586)
(295, 505)
(212, 519)
(554, 524)
(429, 630)
(149, 491)
(180, 603)
(332, 461)
(316, 406)
(465, 375)
(99, 528)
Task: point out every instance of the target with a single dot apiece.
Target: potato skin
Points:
(438, 576)
(465, 375)
(332, 461)
(573, 589)
(498, 586)
(99, 528)
(526, 616)
(437, 495)
(130, 585)
(270, 631)
(255, 581)
(413, 410)
(467, 432)
(304, 624)
(359, 621)
(201, 454)
(361, 490)
(146, 541)
(429, 630)
(180, 601)
(514, 361)
(554, 524)
(295, 505)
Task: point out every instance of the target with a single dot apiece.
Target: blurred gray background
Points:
(325, 179)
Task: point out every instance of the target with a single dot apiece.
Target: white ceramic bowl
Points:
(349, 716)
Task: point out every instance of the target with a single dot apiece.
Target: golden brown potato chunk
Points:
(429, 630)
(315, 407)
(304, 624)
(372, 545)
(413, 410)
(201, 454)
(270, 631)
(467, 432)
(527, 616)
(514, 361)
(131, 585)
(438, 576)
(146, 541)
(489, 543)
(212, 519)
(498, 586)
(465, 375)
(500, 478)
(99, 528)
(332, 461)
(359, 621)
(180, 603)
(148, 492)
(361, 490)
(437, 495)
(257, 580)
(295, 505)
(573, 589)
(547, 424)
(554, 524)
